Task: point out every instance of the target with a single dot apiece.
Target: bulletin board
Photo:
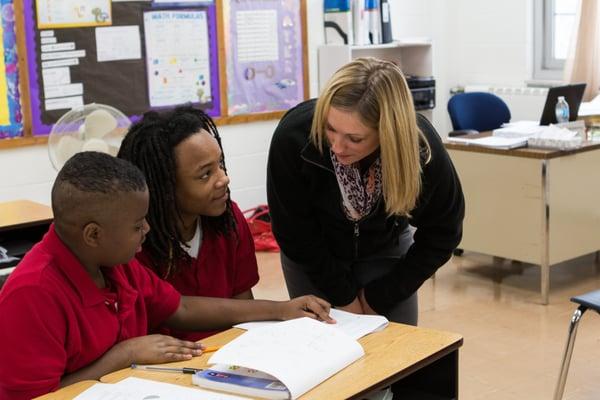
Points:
(132, 65)
(11, 118)
(152, 54)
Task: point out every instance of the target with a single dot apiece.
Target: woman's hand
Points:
(363, 302)
(354, 307)
(153, 349)
(306, 306)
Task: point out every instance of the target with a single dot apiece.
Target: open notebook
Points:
(297, 354)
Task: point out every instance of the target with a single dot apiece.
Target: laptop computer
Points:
(572, 94)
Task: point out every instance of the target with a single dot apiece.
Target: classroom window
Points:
(554, 25)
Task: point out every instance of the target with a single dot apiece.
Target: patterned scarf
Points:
(359, 192)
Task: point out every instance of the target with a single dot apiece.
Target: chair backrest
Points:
(481, 111)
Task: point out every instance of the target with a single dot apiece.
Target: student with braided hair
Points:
(79, 306)
(199, 241)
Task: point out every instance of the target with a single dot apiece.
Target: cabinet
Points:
(413, 56)
(538, 206)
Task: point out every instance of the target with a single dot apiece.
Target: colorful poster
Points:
(106, 60)
(11, 123)
(263, 40)
(177, 57)
(4, 115)
(73, 13)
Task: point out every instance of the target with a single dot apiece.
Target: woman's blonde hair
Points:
(377, 91)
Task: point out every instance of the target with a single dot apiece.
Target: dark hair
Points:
(150, 145)
(94, 172)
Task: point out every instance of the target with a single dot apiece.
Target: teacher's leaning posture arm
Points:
(349, 176)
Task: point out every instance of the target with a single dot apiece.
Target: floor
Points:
(512, 345)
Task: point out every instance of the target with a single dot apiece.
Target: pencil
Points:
(156, 368)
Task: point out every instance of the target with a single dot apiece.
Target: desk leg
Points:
(545, 264)
(437, 381)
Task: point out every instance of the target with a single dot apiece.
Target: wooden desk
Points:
(532, 205)
(69, 392)
(22, 214)
(22, 224)
(424, 360)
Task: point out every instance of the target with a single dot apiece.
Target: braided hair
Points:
(150, 145)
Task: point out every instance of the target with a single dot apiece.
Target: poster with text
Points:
(263, 40)
(177, 55)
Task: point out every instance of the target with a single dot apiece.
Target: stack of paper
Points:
(590, 108)
(494, 142)
(554, 137)
(519, 129)
(353, 325)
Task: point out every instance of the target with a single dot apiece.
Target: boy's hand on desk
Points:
(307, 306)
(153, 349)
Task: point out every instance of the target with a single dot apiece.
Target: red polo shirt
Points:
(54, 320)
(225, 266)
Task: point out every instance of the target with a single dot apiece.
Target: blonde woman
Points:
(351, 177)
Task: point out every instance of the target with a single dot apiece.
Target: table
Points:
(533, 205)
(22, 224)
(69, 392)
(421, 360)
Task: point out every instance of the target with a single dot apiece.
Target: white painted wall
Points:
(474, 42)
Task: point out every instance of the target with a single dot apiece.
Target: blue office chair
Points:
(586, 301)
(480, 111)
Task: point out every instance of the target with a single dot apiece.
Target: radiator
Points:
(525, 103)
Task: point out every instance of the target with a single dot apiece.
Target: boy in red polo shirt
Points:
(79, 306)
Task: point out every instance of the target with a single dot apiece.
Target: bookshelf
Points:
(413, 55)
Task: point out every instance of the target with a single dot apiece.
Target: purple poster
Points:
(264, 55)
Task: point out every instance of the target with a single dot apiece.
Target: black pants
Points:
(365, 270)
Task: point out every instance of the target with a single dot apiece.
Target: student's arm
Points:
(206, 313)
(152, 349)
(247, 295)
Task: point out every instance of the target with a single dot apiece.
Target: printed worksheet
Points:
(177, 57)
(257, 38)
(353, 325)
(143, 389)
(118, 43)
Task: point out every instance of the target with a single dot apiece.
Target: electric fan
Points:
(92, 127)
